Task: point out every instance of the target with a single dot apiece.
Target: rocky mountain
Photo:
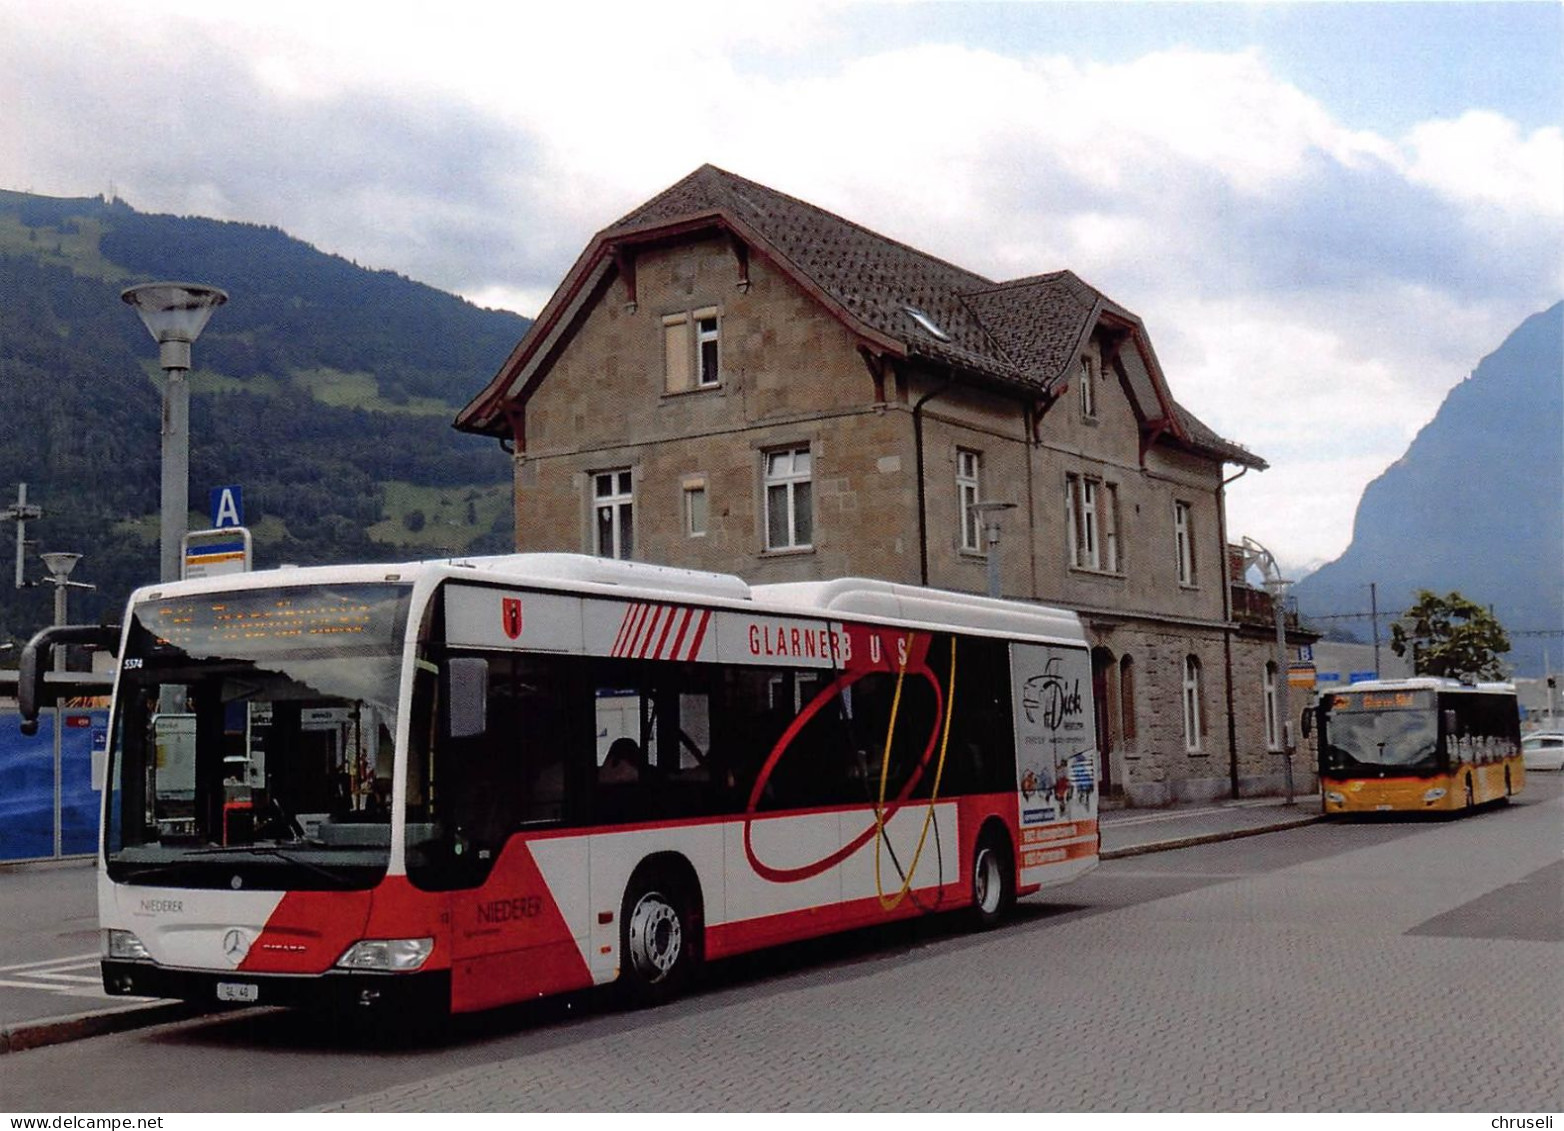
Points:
(324, 389)
(1476, 504)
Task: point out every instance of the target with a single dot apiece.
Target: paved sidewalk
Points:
(50, 990)
(1131, 832)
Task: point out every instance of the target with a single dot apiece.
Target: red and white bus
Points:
(461, 784)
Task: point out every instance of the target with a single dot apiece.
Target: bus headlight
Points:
(1433, 795)
(125, 945)
(1335, 798)
(386, 954)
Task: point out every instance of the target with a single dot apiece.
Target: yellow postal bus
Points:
(1418, 745)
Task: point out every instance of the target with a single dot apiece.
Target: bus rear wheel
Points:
(657, 945)
(993, 879)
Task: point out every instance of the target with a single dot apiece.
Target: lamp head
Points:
(174, 314)
(60, 564)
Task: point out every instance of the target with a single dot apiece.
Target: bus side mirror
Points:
(467, 696)
(31, 696)
(1306, 722)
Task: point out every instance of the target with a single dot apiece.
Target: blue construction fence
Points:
(48, 808)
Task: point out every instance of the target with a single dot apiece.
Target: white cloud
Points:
(1311, 287)
(1482, 158)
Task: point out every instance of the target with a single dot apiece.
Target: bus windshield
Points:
(253, 737)
(1367, 738)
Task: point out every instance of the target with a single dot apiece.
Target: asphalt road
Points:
(1374, 966)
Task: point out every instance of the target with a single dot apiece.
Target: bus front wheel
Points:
(993, 879)
(657, 943)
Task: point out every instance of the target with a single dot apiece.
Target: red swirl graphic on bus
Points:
(869, 655)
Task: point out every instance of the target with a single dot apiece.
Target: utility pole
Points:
(1374, 613)
(20, 512)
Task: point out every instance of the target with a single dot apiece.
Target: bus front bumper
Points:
(419, 992)
(1387, 795)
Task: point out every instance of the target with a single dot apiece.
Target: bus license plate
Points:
(238, 991)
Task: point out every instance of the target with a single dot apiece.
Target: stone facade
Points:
(1109, 518)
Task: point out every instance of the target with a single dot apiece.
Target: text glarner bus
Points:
(1417, 745)
(462, 784)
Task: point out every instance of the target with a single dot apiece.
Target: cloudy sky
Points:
(1326, 214)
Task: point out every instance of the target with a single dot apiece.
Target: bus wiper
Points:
(145, 870)
(278, 853)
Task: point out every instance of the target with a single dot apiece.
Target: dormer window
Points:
(928, 325)
(1088, 389)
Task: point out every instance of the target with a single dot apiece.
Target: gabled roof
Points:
(1023, 334)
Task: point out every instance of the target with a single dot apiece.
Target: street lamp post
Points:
(989, 514)
(1277, 587)
(60, 566)
(175, 314)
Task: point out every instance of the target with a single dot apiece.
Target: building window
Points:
(692, 355)
(1092, 523)
(1088, 390)
(1192, 715)
(707, 357)
(1273, 722)
(1184, 541)
(1127, 701)
(613, 504)
(789, 515)
(969, 468)
(695, 508)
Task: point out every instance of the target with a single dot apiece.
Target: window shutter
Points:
(676, 352)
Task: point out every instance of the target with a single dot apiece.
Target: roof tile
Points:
(1024, 332)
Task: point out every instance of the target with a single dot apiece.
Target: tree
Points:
(1450, 636)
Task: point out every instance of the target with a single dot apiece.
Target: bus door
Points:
(506, 780)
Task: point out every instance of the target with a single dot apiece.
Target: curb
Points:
(23, 1035)
(1206, 838)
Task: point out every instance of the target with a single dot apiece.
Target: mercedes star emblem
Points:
(236, 944)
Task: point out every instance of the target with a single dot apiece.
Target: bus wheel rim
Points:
(656, 937)
(986, 881)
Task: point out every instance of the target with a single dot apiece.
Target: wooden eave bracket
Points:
(1114, 343)
(741, 255)
(1150, 433)
(624, 263)
(1039, 407)
(516, 419)
(877, 365)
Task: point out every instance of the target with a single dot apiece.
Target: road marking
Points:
(70, 961)
(58, 976)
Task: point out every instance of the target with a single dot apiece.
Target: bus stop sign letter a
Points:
(227, 507)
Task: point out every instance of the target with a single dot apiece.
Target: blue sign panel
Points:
(227, 507)
(28, 814)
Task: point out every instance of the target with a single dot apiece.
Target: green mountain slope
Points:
(324, 389)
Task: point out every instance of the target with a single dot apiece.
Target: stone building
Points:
(732, 379)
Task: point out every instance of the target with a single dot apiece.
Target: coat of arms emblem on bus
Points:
(510, 616)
